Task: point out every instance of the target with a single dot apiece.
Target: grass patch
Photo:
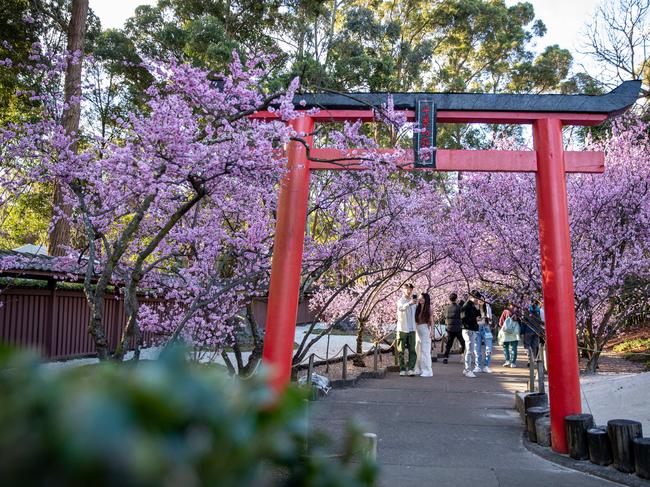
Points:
(636, 350)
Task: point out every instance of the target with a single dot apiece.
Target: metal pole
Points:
(344, 369)
(287, 260)
(557, 277)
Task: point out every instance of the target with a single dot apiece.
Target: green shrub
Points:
(158, 423)
(636, 350)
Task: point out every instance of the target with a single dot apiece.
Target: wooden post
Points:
(532, 415)
(576, 426)
(621, 433)
(376, 357)
(533, 399)
(327, 352)
(543, 431)
(540, 369)
(371, 446)
(310, 369)
(642, 457)
(344, 368)
(531, 375)
(600, 448)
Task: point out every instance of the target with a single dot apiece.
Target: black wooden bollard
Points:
(533, 399)
(532, 414)
(621, 433)
(600, 448)
(642, 457)
(575, 427)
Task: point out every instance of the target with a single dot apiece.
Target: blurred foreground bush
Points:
(158, 423)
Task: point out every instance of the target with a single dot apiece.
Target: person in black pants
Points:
(454, 327)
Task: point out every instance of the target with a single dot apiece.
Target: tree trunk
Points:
(96, 327)
(592, 362)
(131, 330)
(258, 343)
(60, 236)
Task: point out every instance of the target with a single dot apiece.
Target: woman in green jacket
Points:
(509, 334)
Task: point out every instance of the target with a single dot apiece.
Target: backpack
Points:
(509, 325)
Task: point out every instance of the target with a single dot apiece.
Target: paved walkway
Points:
(446, 430)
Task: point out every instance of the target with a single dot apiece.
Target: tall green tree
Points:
(205, 32)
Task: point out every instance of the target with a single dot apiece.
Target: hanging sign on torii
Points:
(424, 136)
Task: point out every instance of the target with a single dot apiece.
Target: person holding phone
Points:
(405, 339)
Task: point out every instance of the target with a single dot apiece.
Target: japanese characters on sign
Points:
(425, 138)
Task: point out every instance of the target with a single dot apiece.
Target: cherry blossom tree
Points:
(192, 154)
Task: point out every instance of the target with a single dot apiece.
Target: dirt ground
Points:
(611, 362)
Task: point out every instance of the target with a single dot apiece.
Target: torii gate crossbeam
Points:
(550, 163)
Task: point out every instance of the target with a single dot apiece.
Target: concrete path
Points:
(446, 430)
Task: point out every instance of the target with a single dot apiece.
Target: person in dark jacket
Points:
(454, 326)
(528, 335)
(469, 314)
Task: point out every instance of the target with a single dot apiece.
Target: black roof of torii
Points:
(612, 103)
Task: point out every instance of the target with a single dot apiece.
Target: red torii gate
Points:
(549, 161)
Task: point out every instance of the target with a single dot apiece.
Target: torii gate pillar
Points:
(557, 277)
(287, 259)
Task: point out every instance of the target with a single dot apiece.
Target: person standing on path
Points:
(509, 330)
(423, 336)
(468, 316)
(406, 330)
(484, 336)
(528, 335)
(454, 327)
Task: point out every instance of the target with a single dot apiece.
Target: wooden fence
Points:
(55, 321)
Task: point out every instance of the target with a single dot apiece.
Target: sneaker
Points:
(468, 373)
(426, 375)
(487, 370)
(506, 363)
(411, 372)
(513, 365)
(477, 370)
(444, 360)
(402, 373)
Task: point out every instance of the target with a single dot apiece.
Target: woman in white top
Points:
(423, 318)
